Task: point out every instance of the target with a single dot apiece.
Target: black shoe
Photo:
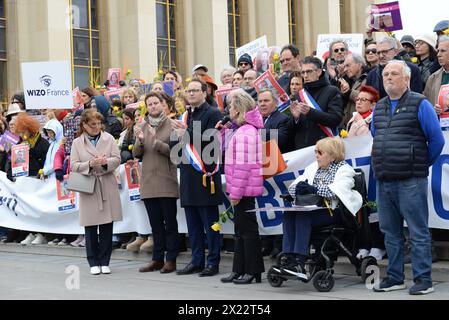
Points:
(230, 277)
(209, 271)
(248, 278)
(189, 269)
(265, 252)
(295, 269)
(116, 245)
(274, 253)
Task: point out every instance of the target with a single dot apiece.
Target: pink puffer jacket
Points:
(243, 159)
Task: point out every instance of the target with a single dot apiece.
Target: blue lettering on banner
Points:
(11, 203)
(65, 208)
(436, 183)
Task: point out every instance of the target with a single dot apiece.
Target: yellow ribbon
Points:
(328, 207)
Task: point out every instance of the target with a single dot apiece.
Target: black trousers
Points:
(248, 247)
(99, 244)
(164, 226)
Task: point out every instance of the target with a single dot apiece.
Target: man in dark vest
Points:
(200, 180)
(407, 141)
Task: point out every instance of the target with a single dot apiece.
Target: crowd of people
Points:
(378, 93)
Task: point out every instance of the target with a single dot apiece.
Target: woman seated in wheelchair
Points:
(331, 178)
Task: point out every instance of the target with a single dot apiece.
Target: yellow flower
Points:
(115, 109)
(128, 72)
(275, 57)
(216, 227)
(188, 79)
(161, 71)
(414, 59)
(41, 171)
(343, 133)
(130, 147)
(142, 104)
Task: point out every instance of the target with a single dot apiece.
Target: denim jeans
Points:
(397, 201)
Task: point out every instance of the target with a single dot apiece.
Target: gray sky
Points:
(421, 16)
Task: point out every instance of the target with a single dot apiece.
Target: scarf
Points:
(366, 114)
(155, 122)
(93, 139)
(32, 140)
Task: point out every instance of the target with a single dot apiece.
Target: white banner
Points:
(47, 85)
(252, 47)
(354, 41)
(32, 204)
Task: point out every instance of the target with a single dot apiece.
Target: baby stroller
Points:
(326, 243)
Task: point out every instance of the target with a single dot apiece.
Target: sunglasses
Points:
(337, 50)
(243, 63)
(369, 51)
(319, 152)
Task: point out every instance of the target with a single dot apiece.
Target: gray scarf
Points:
(155, 122)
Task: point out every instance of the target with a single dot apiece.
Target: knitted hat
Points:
(246, 58)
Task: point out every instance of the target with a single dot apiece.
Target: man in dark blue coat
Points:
(200, 180)
(387, 50)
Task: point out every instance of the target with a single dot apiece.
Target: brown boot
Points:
(135, 245)
(168, 267)
(152, 266)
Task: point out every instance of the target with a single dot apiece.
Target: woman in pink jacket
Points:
(244, 182)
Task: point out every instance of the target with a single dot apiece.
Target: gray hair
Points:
(357, 58)
(392, 41)
(273, 93)
(243, 102)
(338, 41)
(443, 38)
(227, 68)
(405, 68)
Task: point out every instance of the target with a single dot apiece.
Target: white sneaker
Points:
(377, 253)
(40, 239)
(27, 241)
(82, 243)
(63, 242)
(53, 242)
(105, 270)
(95, 270)
(362, 254)
(77, 241)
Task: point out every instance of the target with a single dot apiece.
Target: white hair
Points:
(405, 68)
(227, 68)
(392, 41)
(357, 58)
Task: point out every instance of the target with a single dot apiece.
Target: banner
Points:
(221, 94)
(114, 76)
(32, 205)
(354, 41)
(47, 85)
(385, 17)
(443, 101)
(252, 47)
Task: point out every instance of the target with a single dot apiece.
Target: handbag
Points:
(272, 160)
(306, 195)
(81, 183)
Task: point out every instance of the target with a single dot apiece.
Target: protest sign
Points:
(385, 17)
(169, 88)
(443, 101)
(133, 105)
(354, 41)
(267, 80)
(66, 198)
(77, 100)
(47, 85)
(20, 160)
(133, 181)
(221, 96)
(8, 139)
(112, 95)
(114, 78)
(252, 47)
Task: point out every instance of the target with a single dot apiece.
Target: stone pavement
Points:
(39, 272)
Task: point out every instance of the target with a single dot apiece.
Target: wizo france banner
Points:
(32, 204)
(47, 85)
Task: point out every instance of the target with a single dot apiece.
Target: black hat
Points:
(246, 58)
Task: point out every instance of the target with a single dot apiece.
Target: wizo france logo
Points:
(45, 80)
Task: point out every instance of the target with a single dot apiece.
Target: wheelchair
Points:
(327, 243)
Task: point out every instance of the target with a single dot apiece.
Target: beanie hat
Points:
(246, 58)
(408, 39)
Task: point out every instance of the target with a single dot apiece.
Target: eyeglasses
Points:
(318, 152)
(243, 64)
(384, 51)
(15, 101)
(337, 50)
(419, 43)
(304, 72)
(193, 91)
(363, 100)
(371, 51)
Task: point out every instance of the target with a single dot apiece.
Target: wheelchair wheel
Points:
(323, 281)
(274, 279)
(368, 261)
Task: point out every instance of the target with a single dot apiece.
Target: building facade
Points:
(144, 36)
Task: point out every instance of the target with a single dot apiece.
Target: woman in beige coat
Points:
(95, 153)
(159, 185)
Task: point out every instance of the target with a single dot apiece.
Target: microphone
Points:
(225, 120)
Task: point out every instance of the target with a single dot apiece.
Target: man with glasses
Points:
(290, 61)
(200, 181)
(338, 50)
(245, 63)
(387, 50)
(308, 122)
